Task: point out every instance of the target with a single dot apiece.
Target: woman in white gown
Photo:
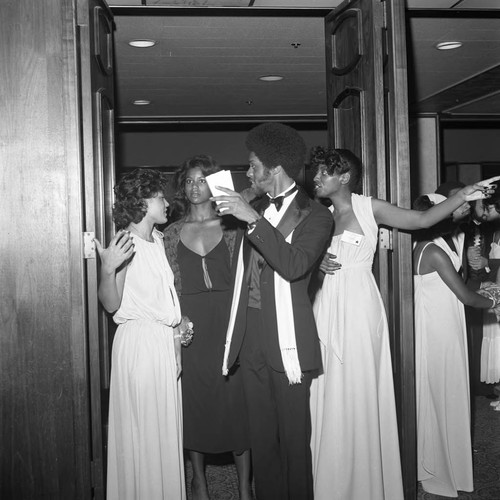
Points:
(490, 348)
(145, 452)
(444, 448)
(355, 445)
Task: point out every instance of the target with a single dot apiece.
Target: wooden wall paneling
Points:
(96, 40)
(354, 88)
(367, 113)
(44, 406)
(400, 263)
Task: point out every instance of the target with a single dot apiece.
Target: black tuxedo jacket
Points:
(311, 224)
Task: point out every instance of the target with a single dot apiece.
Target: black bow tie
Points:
(278, 201)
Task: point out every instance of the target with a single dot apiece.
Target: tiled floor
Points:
(223, 482)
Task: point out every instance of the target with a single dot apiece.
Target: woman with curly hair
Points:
(200, 248)
(145, 452)
(355, 434)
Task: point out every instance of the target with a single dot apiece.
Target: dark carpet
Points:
(223, 481)
(486, 445)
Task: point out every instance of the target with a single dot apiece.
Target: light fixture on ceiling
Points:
(141, 102)
(142, 44)
(271, 78)
(448, 45)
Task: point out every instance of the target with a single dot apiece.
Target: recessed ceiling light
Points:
(142, 43)
(141, 102)
(270, 78)
(448, 45)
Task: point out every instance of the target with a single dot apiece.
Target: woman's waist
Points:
(121, 319)
(367, 266)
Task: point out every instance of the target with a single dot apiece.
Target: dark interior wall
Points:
(470, 154)
(172, 148)
(471, 145)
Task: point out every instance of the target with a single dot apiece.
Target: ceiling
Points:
(206, 63)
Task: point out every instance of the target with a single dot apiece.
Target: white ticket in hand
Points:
(222, 178)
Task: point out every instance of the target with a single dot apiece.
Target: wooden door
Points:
(368, 114)
(95, 23)
(44, 442)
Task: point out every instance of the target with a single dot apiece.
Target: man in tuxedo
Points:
(271, 327)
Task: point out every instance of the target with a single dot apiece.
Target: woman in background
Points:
(490, 349)
(355, 435)
(444, 448)
(199, 247)
(145, 453)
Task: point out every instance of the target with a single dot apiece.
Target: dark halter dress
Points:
(215, 418)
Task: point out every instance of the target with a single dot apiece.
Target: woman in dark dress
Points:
(199, 248)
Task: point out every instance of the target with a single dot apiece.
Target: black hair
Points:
(339, 161)
(207, 165)
(131, 191)
(277, 144)
(443, 228)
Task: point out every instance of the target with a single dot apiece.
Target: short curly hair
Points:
(131, 191)
(207, 165)
(339, 161)
(277, 144)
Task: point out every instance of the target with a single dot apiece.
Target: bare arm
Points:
(178, 347)
(403, 218)
(114, 261)
(437, 260)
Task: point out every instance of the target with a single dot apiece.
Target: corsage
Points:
(186, 331)
(491, 291)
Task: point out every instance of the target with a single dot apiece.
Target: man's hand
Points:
(234, 204)
(329, 265)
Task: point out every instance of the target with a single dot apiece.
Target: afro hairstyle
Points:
(277, 144)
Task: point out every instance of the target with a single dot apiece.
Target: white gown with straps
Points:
(355, 445)
(444, 449)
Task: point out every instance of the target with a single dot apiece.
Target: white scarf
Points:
(284, 316)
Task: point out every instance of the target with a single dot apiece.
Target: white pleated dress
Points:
(355, 445)
(145, 453)
(490, 348)
(444, 449)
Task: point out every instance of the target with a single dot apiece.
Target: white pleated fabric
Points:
(145, 453)
(355, 445)
(490, 348)
(444, 449)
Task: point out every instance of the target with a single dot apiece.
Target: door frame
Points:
(393, 270)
